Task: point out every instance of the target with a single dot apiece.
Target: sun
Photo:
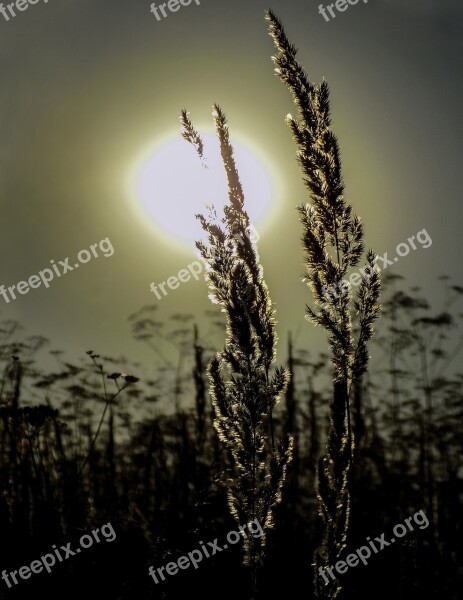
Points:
(172, 186)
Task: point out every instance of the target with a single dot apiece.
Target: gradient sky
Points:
(87, 85)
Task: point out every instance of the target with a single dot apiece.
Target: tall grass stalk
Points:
(244, 387)
(333, 243)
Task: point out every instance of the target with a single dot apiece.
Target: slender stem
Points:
(108, 402)
(94, 440)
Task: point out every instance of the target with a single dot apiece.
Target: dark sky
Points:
(86, 85)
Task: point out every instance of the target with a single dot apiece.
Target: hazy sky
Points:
(88, 85)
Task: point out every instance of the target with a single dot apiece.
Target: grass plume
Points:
(333, 243)
(244, 387)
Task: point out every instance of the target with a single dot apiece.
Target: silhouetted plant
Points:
(242, 388)
(333, 243)
(109, 403)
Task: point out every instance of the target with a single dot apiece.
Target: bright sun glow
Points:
(172, 186)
